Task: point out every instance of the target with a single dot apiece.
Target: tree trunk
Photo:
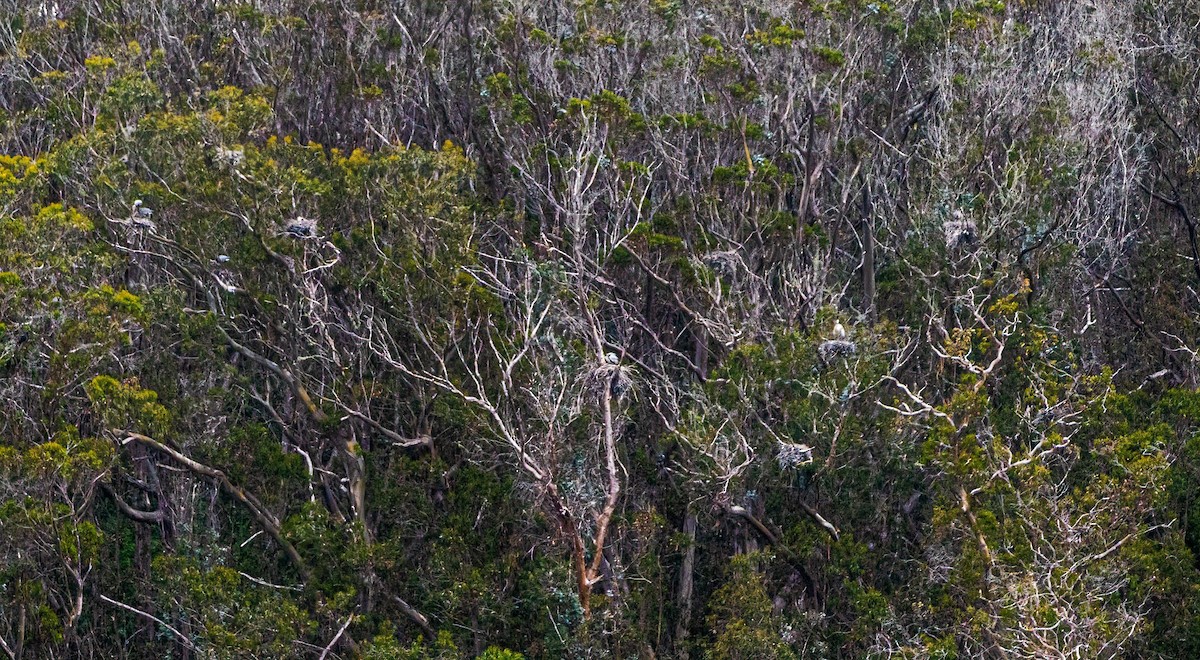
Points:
(686, 582)
(868, 267)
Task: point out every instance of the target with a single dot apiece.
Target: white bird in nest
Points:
(611, 358)
(140, 216)
(839, 331)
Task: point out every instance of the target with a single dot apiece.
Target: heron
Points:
(839, 331)
(141, 216)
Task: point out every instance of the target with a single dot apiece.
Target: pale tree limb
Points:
(414, 614)
(178, 635)
(332, 642)
(820, 520)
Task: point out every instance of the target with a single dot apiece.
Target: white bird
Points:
(223, 258)
(839, 331)
(611, 358)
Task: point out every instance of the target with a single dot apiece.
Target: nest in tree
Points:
(832, 348)
(615, 379)
(792, 455)
(723, 263)
(960, 232)
(230, 157)
(300, 227)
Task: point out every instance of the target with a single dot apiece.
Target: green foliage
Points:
(740, 616)
(125, 405)
(230, 617)
(414, 296)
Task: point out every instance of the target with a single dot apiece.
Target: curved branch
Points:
(820, 520)
(791, 557)
(260, 513)
(422, 440)
(137, 515)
